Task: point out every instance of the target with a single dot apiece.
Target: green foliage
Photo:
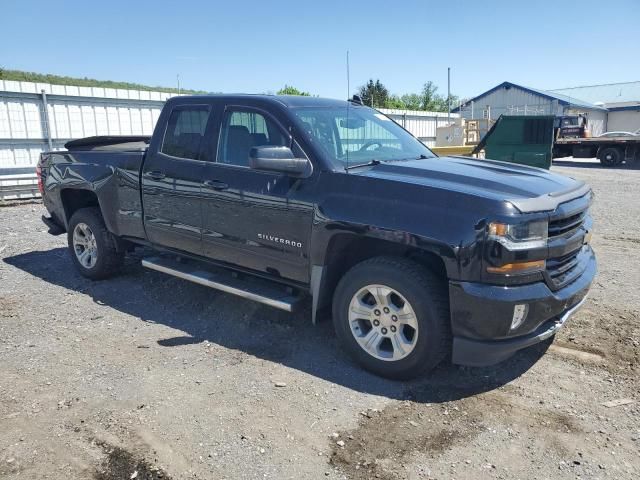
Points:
(289, 90)
(20, 76)
(374, 94)
(411, 101)
(432, 101)
(395, 102)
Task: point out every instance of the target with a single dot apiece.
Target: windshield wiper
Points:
(368, 164)
(422, 156)
(419, 157)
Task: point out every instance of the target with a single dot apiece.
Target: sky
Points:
(257, 47)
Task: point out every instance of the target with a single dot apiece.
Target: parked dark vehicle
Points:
(419, 258)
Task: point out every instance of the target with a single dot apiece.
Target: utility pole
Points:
(449, 94)
(178, 78)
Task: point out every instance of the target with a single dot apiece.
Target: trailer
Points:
(611, 151)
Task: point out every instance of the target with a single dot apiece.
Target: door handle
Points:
(155, 175)
(215, 184)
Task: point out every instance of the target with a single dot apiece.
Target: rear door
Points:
(172, 179)
(252, 218)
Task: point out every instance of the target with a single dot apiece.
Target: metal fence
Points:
(422, 125)
(37, 117)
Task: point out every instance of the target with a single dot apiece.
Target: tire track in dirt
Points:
(387, 439)
(609, 332)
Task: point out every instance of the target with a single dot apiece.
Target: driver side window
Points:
(241, 131)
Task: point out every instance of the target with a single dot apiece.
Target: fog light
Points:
(519, 314)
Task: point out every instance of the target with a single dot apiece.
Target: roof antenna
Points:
(348, 105)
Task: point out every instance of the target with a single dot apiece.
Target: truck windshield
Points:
(569, 121)
(359, 136)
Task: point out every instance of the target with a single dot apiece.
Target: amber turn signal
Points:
(519, 267)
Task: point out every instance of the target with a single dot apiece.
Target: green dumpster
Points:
(527, 140)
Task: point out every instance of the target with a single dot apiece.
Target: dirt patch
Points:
(385, 440)
(121, 464)
(622, 239)
(596, 352)
(609, 332)
(572, 352)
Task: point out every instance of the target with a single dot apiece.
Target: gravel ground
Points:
(147, 376)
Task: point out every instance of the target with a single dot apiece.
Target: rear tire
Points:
(611, 156)
(92, 247)
(392, 316)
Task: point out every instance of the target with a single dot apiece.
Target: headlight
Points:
(521, 236)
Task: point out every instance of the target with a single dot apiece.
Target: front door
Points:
(172, 181)
(253, 218)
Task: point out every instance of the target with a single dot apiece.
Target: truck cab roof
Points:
(283, 100)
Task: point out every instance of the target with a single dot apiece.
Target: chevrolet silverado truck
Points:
(417, 258)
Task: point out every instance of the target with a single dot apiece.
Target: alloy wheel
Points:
(85, 246)
(383, 322)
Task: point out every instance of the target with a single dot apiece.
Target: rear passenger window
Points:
(242, 130)
(185, 131)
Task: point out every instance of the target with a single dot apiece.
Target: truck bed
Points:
(110, 169)
(611, 151)
(597, 140)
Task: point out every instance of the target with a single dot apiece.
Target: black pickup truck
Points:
(417, 258)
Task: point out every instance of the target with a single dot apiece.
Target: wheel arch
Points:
(346, 250)
(73, 199)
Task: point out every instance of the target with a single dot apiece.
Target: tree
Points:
(289, 90)
(394, 101)
(455, 101)
(430, 99)
(374, 94)
(411, 101)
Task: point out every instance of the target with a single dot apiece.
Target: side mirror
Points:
(278, 159)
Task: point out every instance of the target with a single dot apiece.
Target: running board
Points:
(254, 289)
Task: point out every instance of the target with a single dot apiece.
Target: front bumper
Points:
(477, 353)
(481, 315)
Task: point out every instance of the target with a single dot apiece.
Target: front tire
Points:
(392, 316)
(92, 247)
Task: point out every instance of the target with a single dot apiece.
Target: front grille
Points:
(561, 269)
(565, 225)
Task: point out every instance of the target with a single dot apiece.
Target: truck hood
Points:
(529, 189)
